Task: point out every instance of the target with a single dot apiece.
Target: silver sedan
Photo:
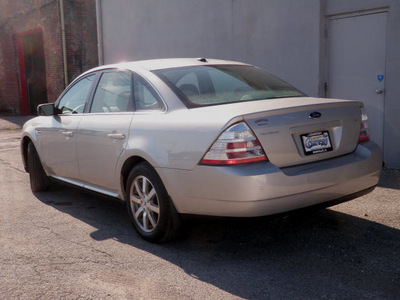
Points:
(199, 136)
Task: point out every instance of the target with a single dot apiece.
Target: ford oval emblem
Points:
(314, 115)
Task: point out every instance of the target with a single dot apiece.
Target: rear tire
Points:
(37, 176)
(152, 213)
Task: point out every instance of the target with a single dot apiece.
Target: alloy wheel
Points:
(144, 203)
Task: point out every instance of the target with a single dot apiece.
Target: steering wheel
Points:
(77, 110)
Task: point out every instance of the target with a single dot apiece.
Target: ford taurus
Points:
(199, 136)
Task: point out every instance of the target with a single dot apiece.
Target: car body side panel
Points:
(56, 140)
(262, 188)
(178, 140)
(101, 140)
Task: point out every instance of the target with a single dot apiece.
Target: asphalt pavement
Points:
(67, 243)
(13, 122)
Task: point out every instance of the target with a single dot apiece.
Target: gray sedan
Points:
(199, 136)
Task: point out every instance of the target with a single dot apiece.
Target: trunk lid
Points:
(302, 130)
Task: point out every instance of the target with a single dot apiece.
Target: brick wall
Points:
(9, 79)
(20, 16)
(80, 20)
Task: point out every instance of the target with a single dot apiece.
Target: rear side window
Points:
(145, 96)
(219, 84)
(113, 93)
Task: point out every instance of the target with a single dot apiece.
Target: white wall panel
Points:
(271, 34)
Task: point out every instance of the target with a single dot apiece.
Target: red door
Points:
(32, 70)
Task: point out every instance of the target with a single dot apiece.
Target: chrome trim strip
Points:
(70, 181)
(86, 186)
(101, 191)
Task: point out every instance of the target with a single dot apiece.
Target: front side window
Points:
(113, 93)
(219, 84)
(75, 99)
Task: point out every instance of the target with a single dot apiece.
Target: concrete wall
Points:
(251, 31)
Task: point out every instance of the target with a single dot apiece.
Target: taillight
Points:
(236, 145)
(364, 132)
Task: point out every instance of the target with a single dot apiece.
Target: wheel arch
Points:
(128, 165)
(24, 151)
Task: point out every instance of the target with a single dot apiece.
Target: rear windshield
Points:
(219, 84)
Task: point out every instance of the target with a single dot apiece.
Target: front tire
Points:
(37, 176)
(151, 212)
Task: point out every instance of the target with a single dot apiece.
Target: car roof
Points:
(168, 63)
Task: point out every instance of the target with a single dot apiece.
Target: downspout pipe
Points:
(99, 22)
(64, 44)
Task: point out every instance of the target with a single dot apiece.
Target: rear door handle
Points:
(116, 136)
(68, 133)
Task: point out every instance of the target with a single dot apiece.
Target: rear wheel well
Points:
(127, 167)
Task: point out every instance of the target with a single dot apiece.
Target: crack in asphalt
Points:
(9, 165)
(61, 237)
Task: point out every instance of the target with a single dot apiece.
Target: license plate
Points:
(316, 142)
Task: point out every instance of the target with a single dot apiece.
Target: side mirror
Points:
(46, 109)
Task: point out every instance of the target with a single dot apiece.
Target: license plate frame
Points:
(316, 142)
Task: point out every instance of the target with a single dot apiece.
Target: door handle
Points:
(68, 133)
(379, 91)
(116, 136)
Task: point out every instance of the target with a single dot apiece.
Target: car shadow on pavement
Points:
(308, 254)
(13, 122)
(390, 178)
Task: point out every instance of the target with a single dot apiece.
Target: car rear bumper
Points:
(262, 189)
